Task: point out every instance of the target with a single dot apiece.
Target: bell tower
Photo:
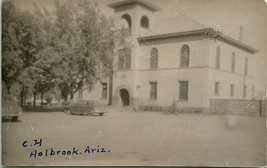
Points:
(136, 15)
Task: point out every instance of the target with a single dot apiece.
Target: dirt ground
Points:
(135, 138)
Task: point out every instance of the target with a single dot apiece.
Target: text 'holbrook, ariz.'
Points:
(55, 152)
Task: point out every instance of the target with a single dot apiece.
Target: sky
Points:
(229, 14)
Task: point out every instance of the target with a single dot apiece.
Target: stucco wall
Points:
(168, 87)
(169, 73)
(94, 94)
(226, 58)
(225, 77)
(169, 52)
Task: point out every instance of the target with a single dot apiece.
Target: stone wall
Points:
(263, 108)
(218, 106)
(176, 110)
(238, 107)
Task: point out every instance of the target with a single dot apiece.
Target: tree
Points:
(83, 45)
(24, 43)
(68, 48)
(11, 61)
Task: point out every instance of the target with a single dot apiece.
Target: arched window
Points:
(154, 58)
(144, 22)
(126, 19)
(233, 62)
(185, 56)
(218, 54)
(124, 58)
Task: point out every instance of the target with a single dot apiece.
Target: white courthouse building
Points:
(171, 60)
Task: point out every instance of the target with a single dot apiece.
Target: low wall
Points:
(238, 107)
(218, 106)
(173, 110)
(43, 109)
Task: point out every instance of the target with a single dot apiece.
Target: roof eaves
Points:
(171, 35)
(223, 38)
(139, 2)
(238, 44)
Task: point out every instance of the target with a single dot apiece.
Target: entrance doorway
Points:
(125, 98)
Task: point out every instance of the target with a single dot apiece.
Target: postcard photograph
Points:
(134, 82)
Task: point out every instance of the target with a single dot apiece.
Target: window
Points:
(124, 60)
(232, 91)
(153, 90)
(216, 88)
(121, 60)
(144, 22)
(245, 92)
(218, 54)
(80, 90)
(233, 62)
(126, 22)
(154, 58)
(127, 60)
(104, 91)
(185, 55)
(80, 93)
(246, 66)
(183, 90)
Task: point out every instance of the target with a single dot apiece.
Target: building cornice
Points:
(183, 68)
(125, 4)
(200, 33)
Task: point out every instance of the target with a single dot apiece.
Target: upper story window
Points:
(154, 58)
(185, 56)
(218, 55)
(144, 23)
(233, 63)
(124, 60)
(246, 66)
(126, 23)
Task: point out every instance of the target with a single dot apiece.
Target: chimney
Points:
(241, 33)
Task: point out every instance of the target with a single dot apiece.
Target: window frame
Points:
(153, 94)
(128, 19)
(144, 22)
(218, 58)
(104, 93)
(181, 96)
(185, 57)
(233, 62)
(124, 59)
(120, 60)
(217, 88)
(154, 59)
